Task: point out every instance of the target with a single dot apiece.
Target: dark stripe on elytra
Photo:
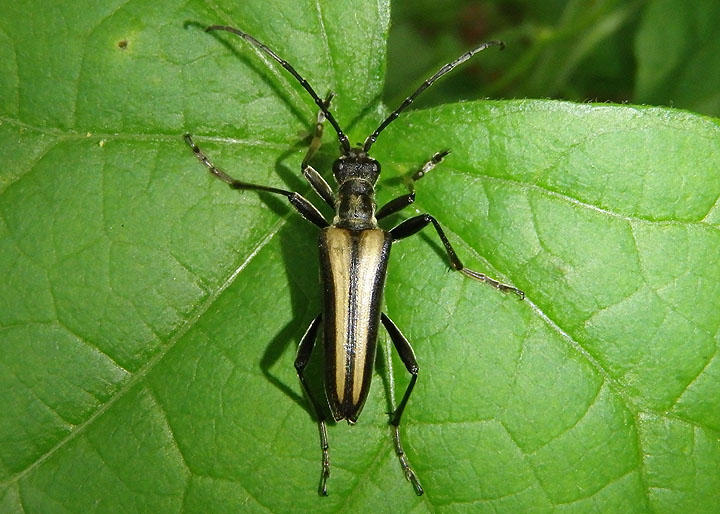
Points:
(329, 311)
(350, 360)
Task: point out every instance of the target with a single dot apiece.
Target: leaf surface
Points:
(149, 315)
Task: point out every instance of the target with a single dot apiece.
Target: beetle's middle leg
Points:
(408, 357)
(306, 209)
(305, 349)
(403, 201)
(318, 183)
(417, 223)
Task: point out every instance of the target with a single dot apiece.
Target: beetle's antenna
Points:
(442, 71)
(304, 83)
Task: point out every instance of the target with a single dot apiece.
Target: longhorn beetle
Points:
(354, 254)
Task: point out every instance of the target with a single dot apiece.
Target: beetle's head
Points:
(356, 164)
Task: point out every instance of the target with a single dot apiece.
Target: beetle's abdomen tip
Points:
(349, 413)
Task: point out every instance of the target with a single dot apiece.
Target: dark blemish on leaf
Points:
(123, 44)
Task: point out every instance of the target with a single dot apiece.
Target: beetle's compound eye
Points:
(372, 170)
(340, 170)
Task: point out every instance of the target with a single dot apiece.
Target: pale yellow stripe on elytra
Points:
(340, 255)
(369, 255)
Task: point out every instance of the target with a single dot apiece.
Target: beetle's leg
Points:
(303, 206)
(303, 357)
(403, 201)
(318, 183)
(408, 357)
(395, 205)
(425, 168)
(417, 223)
(316, 140)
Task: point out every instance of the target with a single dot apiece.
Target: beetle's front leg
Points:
(417, 223)
(403, 201)
(305, 349)
(316, 140)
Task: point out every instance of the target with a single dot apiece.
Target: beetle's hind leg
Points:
(408, 357)
(305, 349)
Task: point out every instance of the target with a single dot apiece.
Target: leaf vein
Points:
(152, 362)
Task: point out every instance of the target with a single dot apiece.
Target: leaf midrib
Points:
(155, 359)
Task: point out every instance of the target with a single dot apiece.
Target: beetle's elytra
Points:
(354, 253)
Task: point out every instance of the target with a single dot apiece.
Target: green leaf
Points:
(678, 53)
(572, 49)
(149, 316)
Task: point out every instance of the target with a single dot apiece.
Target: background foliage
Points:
(660, 52)
(149, 316)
